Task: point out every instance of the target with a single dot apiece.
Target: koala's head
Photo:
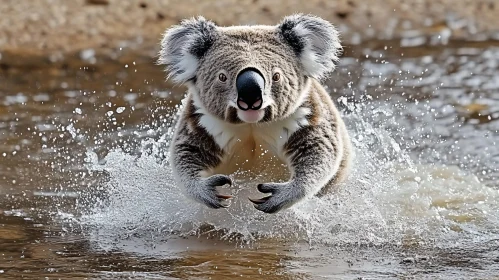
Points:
(250, 73)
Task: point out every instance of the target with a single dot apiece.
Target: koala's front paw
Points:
(283, 195)
(205, 191)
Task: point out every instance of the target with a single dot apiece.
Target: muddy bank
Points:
(57, 26)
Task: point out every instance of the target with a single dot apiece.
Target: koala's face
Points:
(250, 74)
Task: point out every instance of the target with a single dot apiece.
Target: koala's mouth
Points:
(251, 116)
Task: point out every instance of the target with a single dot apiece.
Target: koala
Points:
(254, 88)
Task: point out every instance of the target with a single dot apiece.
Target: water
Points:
(86, 190)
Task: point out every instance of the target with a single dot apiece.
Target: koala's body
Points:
(254, 89)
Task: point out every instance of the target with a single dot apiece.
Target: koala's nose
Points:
(250, 85)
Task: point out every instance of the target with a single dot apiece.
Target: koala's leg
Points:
(314, 154)
(193, 153)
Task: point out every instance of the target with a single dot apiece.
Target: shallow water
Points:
(86, 191)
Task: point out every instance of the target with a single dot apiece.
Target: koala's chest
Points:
(254, 144)
(251, 153)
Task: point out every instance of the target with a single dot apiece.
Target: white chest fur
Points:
(272, 136)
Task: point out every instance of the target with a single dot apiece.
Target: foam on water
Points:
(388, 200)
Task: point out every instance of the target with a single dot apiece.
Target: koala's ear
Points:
(183, 45)
(315, 41)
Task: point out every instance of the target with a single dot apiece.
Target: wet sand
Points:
(58, 27)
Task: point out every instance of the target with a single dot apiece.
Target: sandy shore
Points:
(61, 26)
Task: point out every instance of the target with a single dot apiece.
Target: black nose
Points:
(250, 85)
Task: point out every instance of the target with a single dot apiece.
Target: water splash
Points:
(388, 200)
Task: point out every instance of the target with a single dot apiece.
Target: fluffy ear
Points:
(315, 41)
(183, 45)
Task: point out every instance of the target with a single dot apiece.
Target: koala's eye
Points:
(276, 77)
(222, 77)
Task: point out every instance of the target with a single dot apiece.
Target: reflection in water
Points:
(421, 200)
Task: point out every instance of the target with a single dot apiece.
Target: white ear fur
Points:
(183, 45)
(187, 66)
(316, 42)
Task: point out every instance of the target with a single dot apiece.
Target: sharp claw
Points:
(218, 180)
(223, 196)
(259, 201)
(265, 189)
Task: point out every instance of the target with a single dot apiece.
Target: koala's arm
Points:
(314, 154)
(193, 152)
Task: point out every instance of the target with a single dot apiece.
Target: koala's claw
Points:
(207, 193)
(224, 196)
(267, 188)
(282, 196)
(259, 201)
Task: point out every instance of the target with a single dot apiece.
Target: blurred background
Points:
(418, 85)
(62, 27)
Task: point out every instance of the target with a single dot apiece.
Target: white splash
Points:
(388, 200)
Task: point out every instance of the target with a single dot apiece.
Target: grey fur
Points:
(315, 40)
(188, 41)
(299, 122)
